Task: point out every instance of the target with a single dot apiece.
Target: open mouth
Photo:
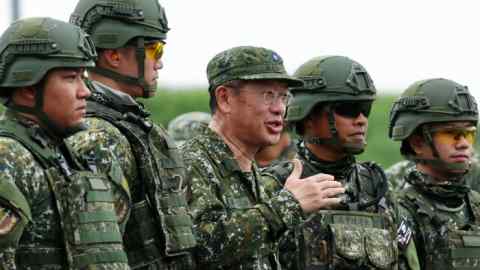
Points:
(274, 126)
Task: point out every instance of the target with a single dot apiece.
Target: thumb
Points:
(297, 170)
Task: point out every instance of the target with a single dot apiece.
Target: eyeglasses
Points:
(154, 51)
(272, 97)
(353, 109)
(452, 135)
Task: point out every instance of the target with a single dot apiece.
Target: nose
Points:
(463, 143)
(83, 91)
(158, 64)
(361, 119)
(278, 107)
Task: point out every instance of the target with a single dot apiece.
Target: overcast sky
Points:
(398, 42)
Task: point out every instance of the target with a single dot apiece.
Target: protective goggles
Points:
(352, 109)
(154, 51)
(454, 134)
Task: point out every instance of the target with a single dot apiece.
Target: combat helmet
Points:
(330, 80)
(115, 23)
(431, 101)
(188, 125)
(29, 48)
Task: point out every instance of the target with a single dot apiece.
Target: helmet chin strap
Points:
(347, 147)
(51, 127)
(147, 90)
(437, 162)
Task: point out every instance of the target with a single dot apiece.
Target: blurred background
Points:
(398, 42)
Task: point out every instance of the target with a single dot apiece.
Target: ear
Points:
(224, 99)
(24, 96)
(111, 57)
(417, 143)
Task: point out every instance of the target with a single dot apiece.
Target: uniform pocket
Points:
(348, 241)
(379, 248)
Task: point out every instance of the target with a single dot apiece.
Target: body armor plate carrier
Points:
(159, 226)
(447, 246)
(85, 204)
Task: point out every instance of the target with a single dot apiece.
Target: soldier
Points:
(330, 114)
(435, 121)
(238, 214)
(56, 212)
(129, 36)
(188, 125)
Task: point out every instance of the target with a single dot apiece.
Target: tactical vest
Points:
(443, 245)
(361, 236)
(85, 205)
(159, 227)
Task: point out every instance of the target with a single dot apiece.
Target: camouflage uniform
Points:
(397, 172)
(56, 211)
(238, 219)
(361, 233)
(159, 232)
(439, 216)
(188, 125)
(443, 221)
(238, 216)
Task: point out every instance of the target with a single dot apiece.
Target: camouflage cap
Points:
(248, 63)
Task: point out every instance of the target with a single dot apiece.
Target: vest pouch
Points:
(464, 249)
(379, 248)
(177, 225)
(347, 241)
(143, 238)
(90, 227)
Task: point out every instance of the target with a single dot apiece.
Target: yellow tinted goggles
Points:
(454, 134)
(154, 51)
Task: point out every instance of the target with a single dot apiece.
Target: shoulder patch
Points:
(8, 220)
(404, 233)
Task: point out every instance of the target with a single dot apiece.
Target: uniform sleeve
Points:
(407, 232)
(15, 167)
(227, 235)
(104, 143)
(110, 150)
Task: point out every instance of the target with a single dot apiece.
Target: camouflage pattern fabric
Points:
(397, 172)
(343, 238)
(41, 245)
(144, 242)
(444, 222)
(247, 63)
(238, 216)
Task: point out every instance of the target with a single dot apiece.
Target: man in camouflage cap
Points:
(330, 114)
(436, 120)
(56, 212)
(188, 125)
(129, 36)
(238, 214)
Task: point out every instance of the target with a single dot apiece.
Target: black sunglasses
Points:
(353, 109)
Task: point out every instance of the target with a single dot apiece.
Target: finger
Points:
(332, 192)
(320, 177)
(297, 169)
(329, 184)
(331, 202)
